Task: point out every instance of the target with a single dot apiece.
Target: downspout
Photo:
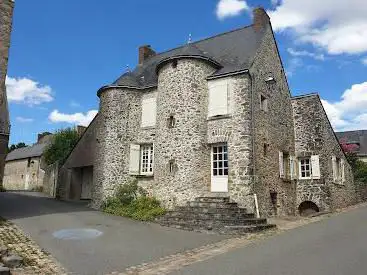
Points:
(253, 126)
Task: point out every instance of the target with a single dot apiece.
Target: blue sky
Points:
(63, 51)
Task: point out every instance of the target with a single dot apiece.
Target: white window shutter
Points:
(342, 170)
(334, 164)
(134, 159)
(293, 167)
(218, 99)
(149, 112)
(281, 165)
(315, 165)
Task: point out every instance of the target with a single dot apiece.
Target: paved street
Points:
(122, 244)
(335, 246)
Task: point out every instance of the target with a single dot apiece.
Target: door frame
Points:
(218, 183)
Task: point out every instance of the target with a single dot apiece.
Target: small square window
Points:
(263, 103)
(266, 149)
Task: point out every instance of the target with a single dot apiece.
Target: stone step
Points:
(208, 223)
(205, 215)
(212, 199)
(227, 230)
(212, 204)
(197, 209)
(240, 230)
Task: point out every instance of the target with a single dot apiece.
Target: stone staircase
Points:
(214, 214)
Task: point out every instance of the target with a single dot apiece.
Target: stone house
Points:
(357, 138)
(216, 118)
(24, 167)
(6, 15)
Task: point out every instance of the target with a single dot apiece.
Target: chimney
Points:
(145, 52)
(80, 130)
(261, 19)
(43, 137)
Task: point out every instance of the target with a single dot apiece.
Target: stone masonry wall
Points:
(314, 136)
(17, 171)
(273, 127)
(235, 130)
(6, 14)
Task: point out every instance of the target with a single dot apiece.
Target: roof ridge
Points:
(204, 39)
(305, 95)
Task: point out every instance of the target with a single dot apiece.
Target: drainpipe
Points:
(253, 127)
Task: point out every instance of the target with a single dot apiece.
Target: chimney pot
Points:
(145, 52)
(261, 19)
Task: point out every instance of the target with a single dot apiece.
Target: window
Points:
(220, 160)
(171, 166)
(146, 159)
(29, 162)
(171, 122)
(266, 149)
(305, 168)
(141, 159)
(263, 103)
(309, 167)
(148, 112)
(218, 98)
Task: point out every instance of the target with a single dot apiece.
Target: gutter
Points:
(227, 74)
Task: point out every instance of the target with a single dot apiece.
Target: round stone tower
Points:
(182, 157)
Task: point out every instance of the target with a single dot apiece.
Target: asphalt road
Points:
(124, 242)
(333, 246)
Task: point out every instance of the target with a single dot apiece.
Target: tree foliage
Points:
(359, 167)
(16, 146)
(62, 144)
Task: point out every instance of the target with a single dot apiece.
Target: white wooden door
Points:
(219, 173)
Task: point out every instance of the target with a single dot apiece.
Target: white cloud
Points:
(229, 8)
(336, 26)
(76, 118)
(27, 91)
(316, 56)
(350, 112)
(24, 119)
(292, 65)
(364, 61)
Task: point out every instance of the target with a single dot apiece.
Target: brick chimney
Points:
(261, 19)
(145, 52)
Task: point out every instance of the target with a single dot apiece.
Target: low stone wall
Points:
(361, 191)
(50, 179)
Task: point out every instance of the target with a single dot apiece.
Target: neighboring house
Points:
(215, 118)
(24, 167)
(357, 138)
(6, 15)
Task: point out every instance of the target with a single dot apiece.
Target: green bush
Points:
(132, 201)
(62, 144)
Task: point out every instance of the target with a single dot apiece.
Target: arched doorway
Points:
(308, 208)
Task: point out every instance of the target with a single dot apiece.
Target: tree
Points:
(359, 167)
(62, 144)
(16, 146)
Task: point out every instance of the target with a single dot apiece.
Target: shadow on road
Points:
(15, 205)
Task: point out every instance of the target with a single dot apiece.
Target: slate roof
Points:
(27, 152)
(232, 51)
(355, 137)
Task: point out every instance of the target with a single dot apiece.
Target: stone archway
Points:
(307, 208)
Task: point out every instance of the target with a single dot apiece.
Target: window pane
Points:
(215, 157)
(215, 165)
(225, 156)
(214, 150)
(214, 172)
(220, 149)
(226, 172)
(220, 172)
(220, 164)
(220, 157)
(226, 164)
